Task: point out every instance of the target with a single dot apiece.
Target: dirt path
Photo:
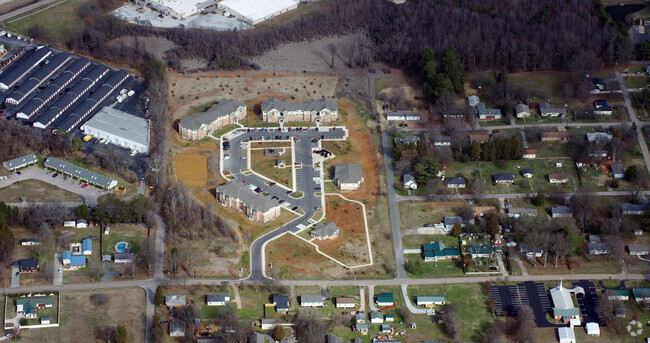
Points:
(235, 290)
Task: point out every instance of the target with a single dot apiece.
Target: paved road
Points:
(392, 209)
(57, 277)
(511, 195)
(635, 120)
(523, 126)
(15, 277)
(22, 205)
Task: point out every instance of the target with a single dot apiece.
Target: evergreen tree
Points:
(454, 68)
(476, 151)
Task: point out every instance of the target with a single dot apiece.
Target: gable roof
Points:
(409, 177)
(627, 207)
(557, 176)
(558, 134)
(311, 298)
(28, 263)
(430, 298)
(223, 108)
(637, 248)
(504, 177)
(19, 161)
(641, 292)
(455, 180)
(324, 229)
(281, 301)
(438, 249)
(243, 193)
(561, 210)
(175, 299)
(217, 297)
(385, 298)
(307, 106)
(617, 168)
(547, 108)
(87, 244)
(348, 173)
(527, 171)
(76, 171)
(522, 108)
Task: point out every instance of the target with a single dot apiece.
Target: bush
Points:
(414, 266)
(100, 299)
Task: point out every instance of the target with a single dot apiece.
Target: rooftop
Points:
(348, 173)
(289, 106)
(78, 172)
(243, 193)
(121, 124)
(224, 108)
(324, 229)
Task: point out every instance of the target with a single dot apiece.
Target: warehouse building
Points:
(119, 128)
(37, 79)
(20, 162)
(180, 8)
(80, 173)
(92, 102)
(71, 97)
(54, 88)
(9, 79)
(254, 11)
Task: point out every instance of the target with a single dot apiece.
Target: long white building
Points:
(119, 128)
(255, 11)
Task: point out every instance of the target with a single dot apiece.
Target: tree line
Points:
(417, 158)
(497, 149)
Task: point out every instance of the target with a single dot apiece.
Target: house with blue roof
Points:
(87, 246)
(437, 251)
(73, 261)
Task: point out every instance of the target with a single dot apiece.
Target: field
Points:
(56, 21)
(413, 214)
(268, 166)
(293, 258)
(79, 318)
(350, 247)
(36, 191)
(192, 169)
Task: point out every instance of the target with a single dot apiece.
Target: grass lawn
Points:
(537, 119)
(132, 234)
(267, 166)
(253, 300)
(416, 241)
(597, 265)
(414, 214)
(37, 191)
(340, 291)
(44, 252)
(486, 170)
(636, 81)
(56, 21)
(439, 269)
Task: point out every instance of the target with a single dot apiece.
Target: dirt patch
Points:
(350, 246)
(192, 169)
(154, 46)
(293, 258)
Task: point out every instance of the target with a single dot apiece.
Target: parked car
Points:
(55, 175)
(85, 185)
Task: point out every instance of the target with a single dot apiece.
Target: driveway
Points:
(409, 304)
(58, 277)
(90, 194)
(15, 277)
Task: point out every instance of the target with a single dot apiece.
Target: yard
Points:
(413, 214)
(269, 166)
(36, 191)
(57, 20)
(133, 235)
(44, 251)
(74, 235)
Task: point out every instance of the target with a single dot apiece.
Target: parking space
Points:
(588, 303)
(508, 299)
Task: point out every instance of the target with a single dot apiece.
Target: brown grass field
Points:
(192, 169)
(293, 258)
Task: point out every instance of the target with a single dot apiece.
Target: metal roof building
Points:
(20, 162)
(80, 173)
(119, 128)
(69, 98)
(9, 79)
(89, 105)
(56, 86)
(37, 79)
(254, 12)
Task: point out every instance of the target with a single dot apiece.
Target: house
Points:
(518, 212)
(479, 137)
(598, 153)
(73, 262)
(637, 249)
(256, 337)
(361, 327)
(27, 306)
(597, 248)
(593, 329)
(324, 231)
(174, 300)
(634, 209)
(617, 294)
(563, 308)
(437, 251)
(557, 178)
(618, 170)
(30, 241)
(455, 182)
(406, 140)
(376, 317)
(601, 108)
(473, 100)
(527, 173)
(442, 141)
(281, 302)
(641, 294)
(450, 221)
(345, 302)
(28, 264)
(312, 300)
(81, 224)
(529, 154)
(402, 115)
(487, 113)
(598, 137)
(268, 324)
(87, 246)
(510, 241)
(548, 110)
(522, 111)
(69, 223)
(550, 136)
(385, 299)
(531, 253)
(385, 328)
(124, 257)
(482, 211)
(504, 178)
(333, 339)
(566, 335)
(20, 162)
(389, 318)
(561, 212)
(638, 232)
(430, 300)
(597, 85)
(45, 320)
(481, 251)
(324, 110)
(360, 317)
(409, 181)
(348, 176)
(107, 230)
(176, 328)
(242, 198)
(217, 299)
(220, 115)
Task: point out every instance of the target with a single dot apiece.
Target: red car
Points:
(84, 185)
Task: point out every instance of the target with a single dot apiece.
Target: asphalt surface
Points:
(508, 299)
(588, 303)
(513, 195)
(392, 208)
(304, 181)
(635, 120)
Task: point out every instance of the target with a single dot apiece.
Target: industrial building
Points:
(180, 8)
(56, 86)
(10, 78)
(36, 80)
(79, 173)
(119, 128)
(254, 11)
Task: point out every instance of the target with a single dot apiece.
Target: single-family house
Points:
(592, 329)
(27, 306)
(530, 252)
(437, 251)
(598, 137)
(641, 294)
(30, 241)
(385, 299)
(123, 257)
(638, 231)
(473, 100)
(522, 111)
(455, 182)
(406, 140)
(510, 241)
(333, 339)
(561, 212)
(361, 327)
(376, 317)
(312, 300)
(450, 221)
(389, 318)
(176, 328)
(69, 223)
(481, 251)
(430, 300)
(485, 113)
(554, 136)
(518, 212)
(324, 231)
(548, 110)
(175, 300)
(409, 181)
(402, 115)
(527, 173)
(637, 249)
(566, 335)
(81, 224)
(385, 328)
(281, 302)
(360, 317)
(529, 154)
(45, 320)
(217, 299)
(634, 209)
(28, 264)
(558, 178)
(268, 324)
(598, 248)
(442, 141)
(597, 85)
(87, 246)
(72, 261)
(345, 302)
(504, 178)
(348, 176)
(601, 108)
(618, 170)
(617, 294)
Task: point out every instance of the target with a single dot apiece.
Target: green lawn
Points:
(636, 81)
(414, 214)
(550, 150)
(133, 235)
(416, 241)
(36, 191)
(439, 269)
(56, 21)
(267, 166)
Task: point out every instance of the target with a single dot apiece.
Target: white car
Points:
(133, 153)
(226, 157)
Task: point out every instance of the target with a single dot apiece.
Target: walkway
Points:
(57, 278)
(371, 298)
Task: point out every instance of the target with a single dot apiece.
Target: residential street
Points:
(393, 211)
(635, 120)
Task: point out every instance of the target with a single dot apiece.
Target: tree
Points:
(450, 321)
(120, 334)
(492, 224)
(414, 266)
(310, 327)
(105, 333)
(279, 333)
(466, 262)
(426, 168)
(456, 230)
(159, 297)
(100, 299)
(454, 69)
(538, 200)
(6, 240)
(527, 331)
(633, 174)
(82, 211)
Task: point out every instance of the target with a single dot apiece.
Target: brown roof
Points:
(478, 137)
(483, 209)
(559, 134)
(346, 300)
(557, 176)
(529, 151)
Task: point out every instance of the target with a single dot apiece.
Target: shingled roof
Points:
(224, 108)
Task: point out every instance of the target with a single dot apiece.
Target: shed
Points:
(593, 329)
(566, 335)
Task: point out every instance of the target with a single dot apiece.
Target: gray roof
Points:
(482, 110)
(334, 339)
(451, 220)
(522, 108)
(400, 113)
(78, 172)
(311, 298)
(455, 180)
(20, 161)
(637, 248)
(306, 106)
(473, 100)
(546, 108)
(408, 139)
(617, 168)
(522, 211)
(175, 299)
(348, 173)
(217, 297)
(224, 108)
(123, 256)
(561, 210)
(324, 229)
(597, 247)
(504, 177)
(243, 193)
(409, 177)
(627, 207)
(121, 124)
(441, 139)
(598, 136)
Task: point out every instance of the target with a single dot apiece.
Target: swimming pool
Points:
(121, 246)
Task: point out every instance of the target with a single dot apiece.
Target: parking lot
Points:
(508, 299)
(588, 303)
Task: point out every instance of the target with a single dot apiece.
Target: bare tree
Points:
(94, 269)
(527, 329)
(100, 299)
(332, 49)
(310, 327)
(450, 322)
(48, 271)
(479, 188)
(146, 255)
